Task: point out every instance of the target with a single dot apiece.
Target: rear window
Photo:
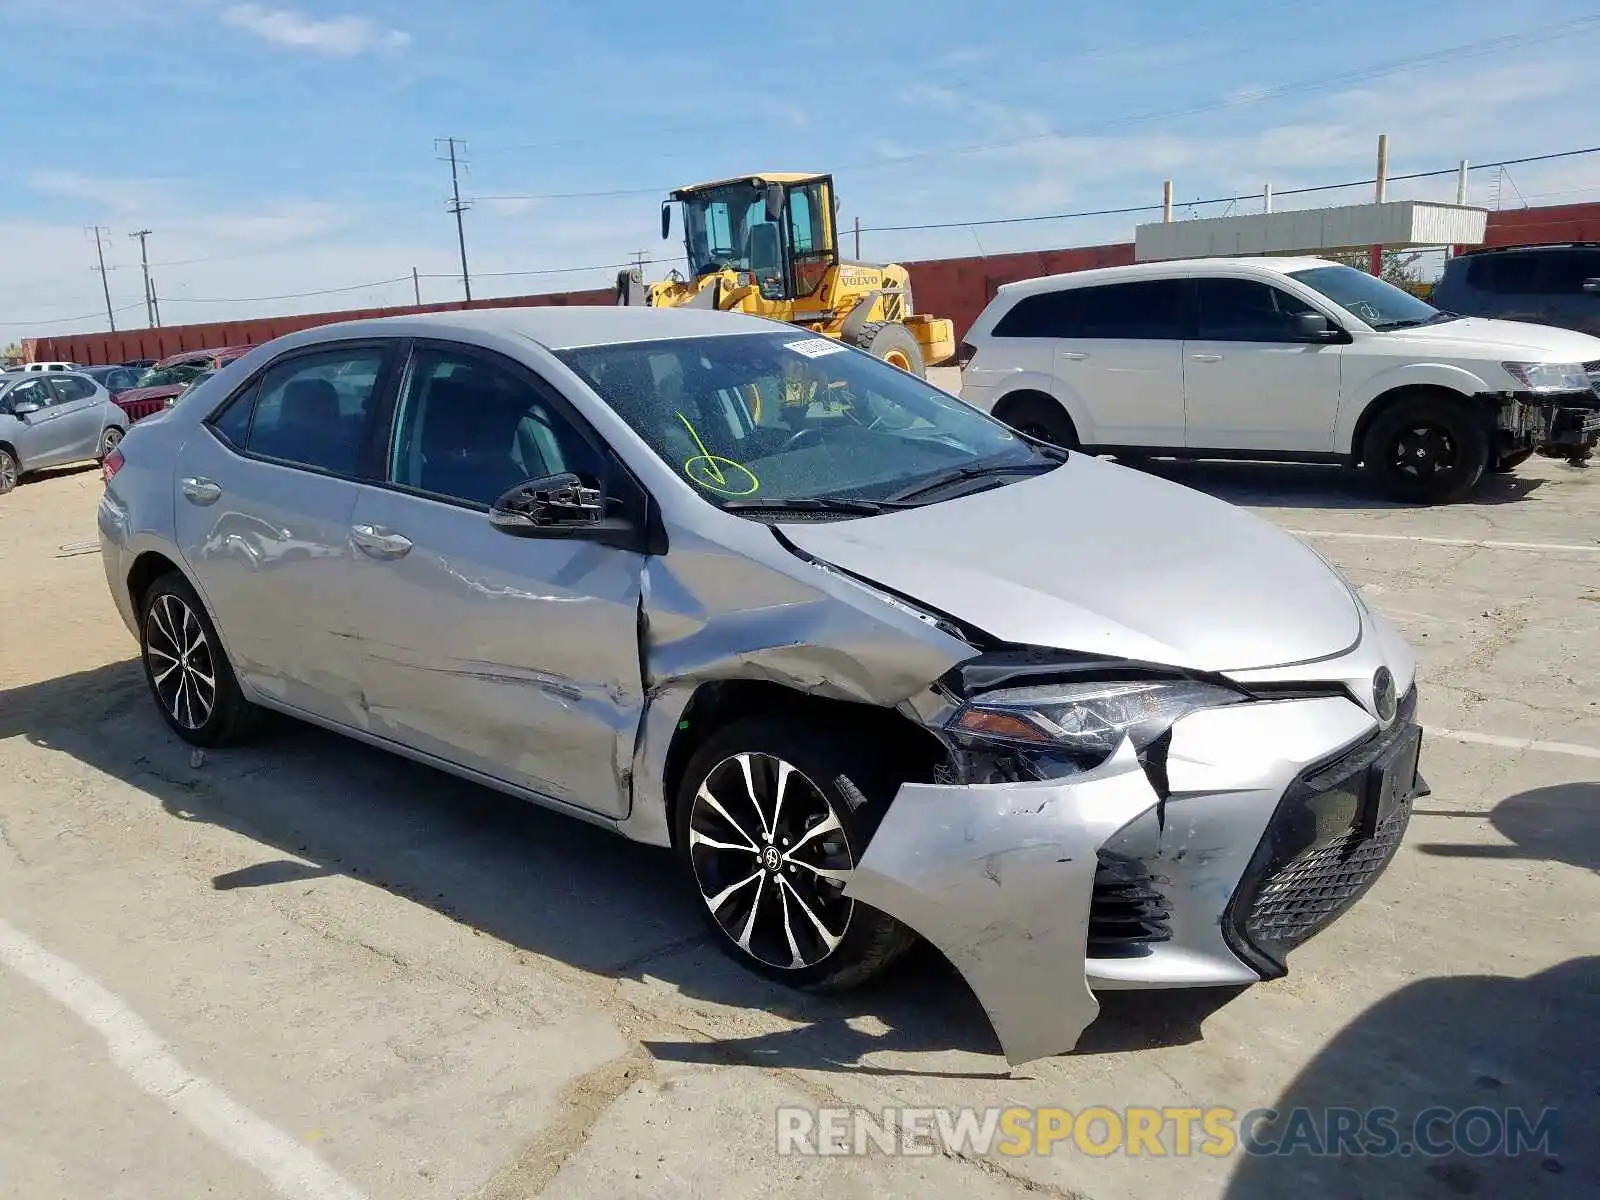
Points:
(1539, 272)
(1145, 309)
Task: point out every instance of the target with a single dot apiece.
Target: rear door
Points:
(1118, 354)
(82, 416)
(262, 503)
(1251, 381)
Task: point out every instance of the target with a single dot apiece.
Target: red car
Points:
(167, 378)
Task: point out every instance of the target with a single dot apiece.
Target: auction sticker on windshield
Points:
(815, 347)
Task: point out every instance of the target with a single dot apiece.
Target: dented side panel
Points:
(752, 610)
(1000, 878)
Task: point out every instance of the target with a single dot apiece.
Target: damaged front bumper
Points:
(1268, 821)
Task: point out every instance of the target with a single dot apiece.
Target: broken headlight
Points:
(1046, 731)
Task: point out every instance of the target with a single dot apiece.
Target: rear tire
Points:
(187, 670)
(1039, 417)
(894, 343)
(770, 875)
(109, 441)
(1426, 449)
(10, 471)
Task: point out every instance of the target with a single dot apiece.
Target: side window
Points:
(1149, 309)
(469, 429)
(67, 388)
(1245, 310)
(35, 391)
(233, 422)
(1042, 315)
(1504, 274)
(311, 410)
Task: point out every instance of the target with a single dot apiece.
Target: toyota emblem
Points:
(1384, 700)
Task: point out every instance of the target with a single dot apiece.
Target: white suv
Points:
(1287, 359)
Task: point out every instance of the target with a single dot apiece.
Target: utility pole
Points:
(105, 283)
(155, 302)
(144, 262)
(858, 239)
(1375, 263)
(456, 206)
(416, 288)
(1166, 202)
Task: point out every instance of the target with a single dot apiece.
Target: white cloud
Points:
(340, 37)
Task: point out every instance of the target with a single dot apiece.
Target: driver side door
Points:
(514, 657)
(41, 438)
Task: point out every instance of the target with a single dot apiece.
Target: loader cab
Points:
(779, 230)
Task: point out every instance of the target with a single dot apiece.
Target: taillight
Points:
(964, 353)
(111, 464)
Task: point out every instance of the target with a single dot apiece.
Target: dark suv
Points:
(1548, 285)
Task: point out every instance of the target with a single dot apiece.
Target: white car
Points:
(1287, 359)
(48, 366)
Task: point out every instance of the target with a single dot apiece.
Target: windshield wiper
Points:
(837, 504)
(958, 474)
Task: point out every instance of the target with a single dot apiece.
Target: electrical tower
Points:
(455, 204)
(105, 283)
(144, 262)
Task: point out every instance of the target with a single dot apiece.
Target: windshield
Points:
(727, 227)
(1367, 298)
(169, 376)
(752, 418)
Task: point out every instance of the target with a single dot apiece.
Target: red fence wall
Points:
(948, 287)
(94, 349)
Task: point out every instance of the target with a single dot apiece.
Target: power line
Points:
(63, 320)
(1300, 191)
(354, 287)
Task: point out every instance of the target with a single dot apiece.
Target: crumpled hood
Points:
(1515, 341)
(1104, 559)
(135, 395)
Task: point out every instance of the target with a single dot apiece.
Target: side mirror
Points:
(666, 220)
(774, 202)
(1314, 327)
(555, 506)
(1591, 286)
(23, 407)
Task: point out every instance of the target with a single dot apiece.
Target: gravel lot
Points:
(310, 969)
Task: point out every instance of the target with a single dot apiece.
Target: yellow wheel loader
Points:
(768, 245)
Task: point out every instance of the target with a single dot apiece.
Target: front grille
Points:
(1314, 862)
(1314, 889)
(1127, 913)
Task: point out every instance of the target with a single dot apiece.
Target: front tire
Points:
(771, 817)
(187, 670)
(1039, 417)
(1426, 450)
(10, 471)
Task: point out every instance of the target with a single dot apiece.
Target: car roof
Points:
(1165, 269)
(563, 327)
(1539, 246)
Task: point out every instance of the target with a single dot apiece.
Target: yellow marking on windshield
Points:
(711, 471)
(710, 458)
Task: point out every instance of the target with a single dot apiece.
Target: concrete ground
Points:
(310, 969)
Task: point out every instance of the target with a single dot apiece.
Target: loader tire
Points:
(893, 342)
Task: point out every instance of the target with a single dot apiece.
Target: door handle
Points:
(377, 542)
(201, 491)
(1074, 355)
(1206, 357)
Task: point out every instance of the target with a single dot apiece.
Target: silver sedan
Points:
(870, 663)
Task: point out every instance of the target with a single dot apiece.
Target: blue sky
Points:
(278, 148)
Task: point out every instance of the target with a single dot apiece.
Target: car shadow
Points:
(1489, 1055)
(1292, 485)
(321, 804)
(1560, 823)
